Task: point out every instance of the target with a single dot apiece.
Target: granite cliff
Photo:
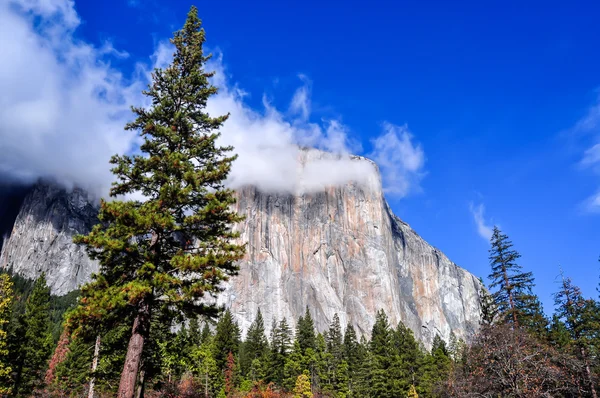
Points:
(339, 250)
(41, 238)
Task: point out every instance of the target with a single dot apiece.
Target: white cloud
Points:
(591, 121)
(266, 144)
(592, 203)
(590, 124)
(483, 228)
(400, 159)
(591, 157)
(64, 107)
(300, 104)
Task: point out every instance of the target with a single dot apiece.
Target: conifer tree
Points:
(456, 348)
(295, 363)
(580, 321)
(406, 360)
(350, 344)
(6, 303)
(60, 354)
(412, 392)
(174, 248)
(487, 305)
(302, 388)
(352, 356)
(194, 332)
(361, 381)
(206, 333)
(381, 356)
(205, 367)
(305, 331)
(335, 339)
(227, 339)
(38, 337)
(322, 367)
(73, 373)
(440, 363)
(513, 297)
(255, 348)
(558, 335)
(281, 338)
(230, 376)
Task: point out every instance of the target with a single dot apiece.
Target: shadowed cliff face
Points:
(340, 250)
(343, 251)
(11, 200)
(42, 237)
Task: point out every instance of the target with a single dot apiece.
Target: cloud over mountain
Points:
(64, 108)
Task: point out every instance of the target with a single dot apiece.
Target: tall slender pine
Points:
(513, 295)
(175, 247)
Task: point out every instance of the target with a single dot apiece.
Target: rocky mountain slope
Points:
(340, 250)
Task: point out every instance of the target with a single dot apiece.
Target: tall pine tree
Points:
(305, 331)
(281, 343)
(381, 356)
(175, 247)
(580, 320)
(513, 297)
(38, 337)
(256, 349)
(227, 339)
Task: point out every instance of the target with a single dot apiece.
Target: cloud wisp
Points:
(65, 106)
(484, 229)
(400, 160)
(590, 158)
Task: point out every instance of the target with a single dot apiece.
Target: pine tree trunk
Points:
(94, 367)
(141, 384)
(510, 298)
(133, 359)
(206, 384)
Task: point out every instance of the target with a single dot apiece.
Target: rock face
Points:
(42, 237)
(343, 251)
(340, 250)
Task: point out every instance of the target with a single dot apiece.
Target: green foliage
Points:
(580, 318)
(305, 331)
(255, 350)
(334, 339)
(74, 372)
(205, 367)
(38, 337)
(227, 339)
(6, 303)
(281, 343)
(381, 356)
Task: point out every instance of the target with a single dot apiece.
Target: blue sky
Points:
(501, 99)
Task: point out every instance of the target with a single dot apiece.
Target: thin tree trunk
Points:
(206, 383)
(141, 384)
(133, 359)
(510, 298)
(94, 367)
(588, 373)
